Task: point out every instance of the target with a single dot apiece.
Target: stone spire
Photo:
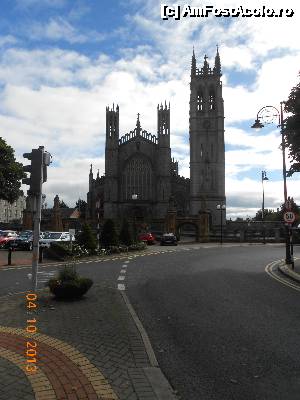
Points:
(217, 67)
(138, 125)
(193, 66)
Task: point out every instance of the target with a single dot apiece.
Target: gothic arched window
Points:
(212, 100)
(137, 178)
(200, 101)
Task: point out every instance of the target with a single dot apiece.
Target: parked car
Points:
(168, 238)
(6, 237)
(24, 241)
(51, 237)
(149, 238)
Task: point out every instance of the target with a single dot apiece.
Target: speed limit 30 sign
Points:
(289, 217)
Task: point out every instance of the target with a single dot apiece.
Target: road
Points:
(220, 326)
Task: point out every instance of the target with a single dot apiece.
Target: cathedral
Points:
(141, 178)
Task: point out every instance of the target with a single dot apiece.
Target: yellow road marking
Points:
(269, 271)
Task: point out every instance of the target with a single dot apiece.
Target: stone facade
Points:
(140, 175)
(12, 212)
(141, 178)
(207, 151)
(54, 219)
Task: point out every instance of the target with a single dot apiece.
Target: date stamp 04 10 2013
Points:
(31, 327)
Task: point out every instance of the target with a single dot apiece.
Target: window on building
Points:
(212, 100)
(137, 178)
(200, 101)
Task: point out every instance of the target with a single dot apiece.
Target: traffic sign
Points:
(289, 217)
(288, 205)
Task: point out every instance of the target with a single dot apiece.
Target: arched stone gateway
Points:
(200, 222)
(187, 231)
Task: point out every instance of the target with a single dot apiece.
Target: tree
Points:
(81, 206)
(87, 238)
(11, 173)
(109, 235)
(62, 204)
(271, 215)
(292, 128)
(125, 235)
(294, 207)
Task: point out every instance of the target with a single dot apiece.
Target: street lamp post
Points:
(98, 223)
(263, 178)
(134, 197)
(267, 115)
(221, 207)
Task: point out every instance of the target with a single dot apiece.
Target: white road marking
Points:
(121, 286)
(126, 262)
(124, 266)
(121, 278)
(123, 271)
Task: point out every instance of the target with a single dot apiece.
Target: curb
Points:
(160, 385)
(286, 270)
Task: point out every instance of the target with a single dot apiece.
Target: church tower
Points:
(207, 151)
(164, 159)
(111, 162)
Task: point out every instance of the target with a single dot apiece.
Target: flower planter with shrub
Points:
(68, 284)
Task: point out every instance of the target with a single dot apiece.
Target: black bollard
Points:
(9, 256)
(41, 255)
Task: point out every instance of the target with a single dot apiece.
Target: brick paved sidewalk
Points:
(87, 349)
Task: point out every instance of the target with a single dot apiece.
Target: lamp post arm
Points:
(266, 108)
(281, 124)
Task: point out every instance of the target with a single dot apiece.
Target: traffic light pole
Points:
(36, 225)
(40, 160)
(36, 238)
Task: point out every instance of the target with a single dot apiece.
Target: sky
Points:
(63, 61)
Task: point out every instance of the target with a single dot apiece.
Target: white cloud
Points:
(7, 40)
(70, 179)
(60, 29)
(40, 3)
(57, 98)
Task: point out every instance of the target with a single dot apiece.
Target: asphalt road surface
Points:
(220, 326)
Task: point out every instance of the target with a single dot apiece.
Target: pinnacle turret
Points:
(205, 65)
(194, 65)
(217, 67)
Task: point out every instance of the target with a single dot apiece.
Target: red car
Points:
(147, 237)
(6, 237)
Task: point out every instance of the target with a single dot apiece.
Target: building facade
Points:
(141, 178)
(10, 212)
(207, 150)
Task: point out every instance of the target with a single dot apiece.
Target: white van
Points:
(50, 237)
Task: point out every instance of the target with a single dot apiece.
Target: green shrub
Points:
(87, 238)
(125, 235)
(62, 251)
(109, 235)
(68, 273)
(68, 284)
(137, 246)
